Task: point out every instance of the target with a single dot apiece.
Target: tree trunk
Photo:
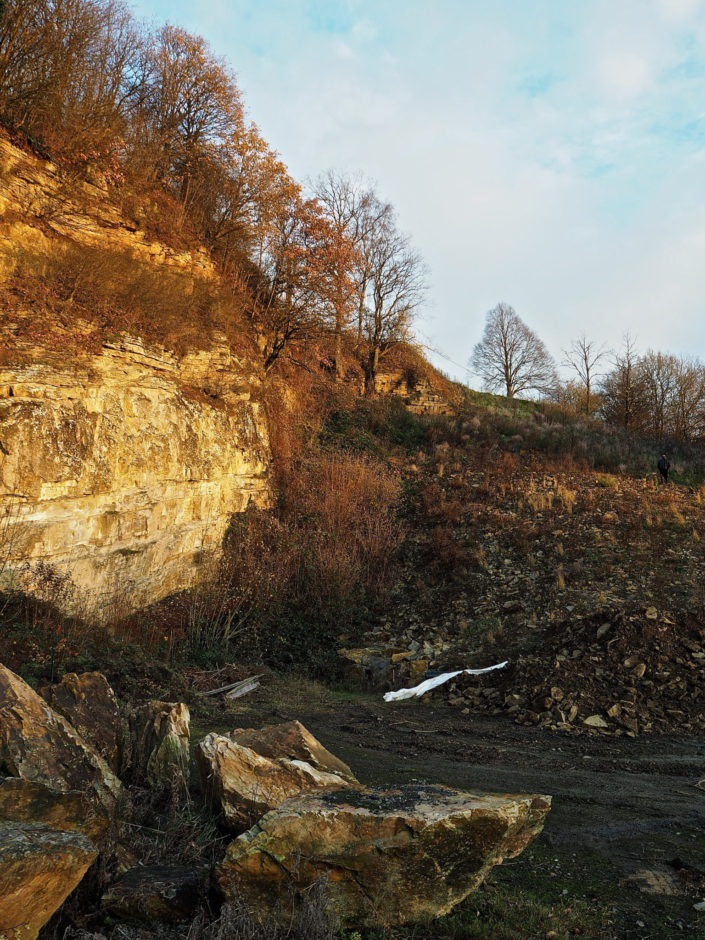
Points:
(371, 368)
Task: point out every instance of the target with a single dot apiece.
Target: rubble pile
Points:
(616, 672)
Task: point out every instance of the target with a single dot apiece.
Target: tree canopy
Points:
(510, 357)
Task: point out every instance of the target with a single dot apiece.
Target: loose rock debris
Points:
(617, 671)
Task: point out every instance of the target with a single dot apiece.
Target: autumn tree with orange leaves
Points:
(155, 111)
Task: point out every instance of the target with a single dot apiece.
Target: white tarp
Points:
(436, 681)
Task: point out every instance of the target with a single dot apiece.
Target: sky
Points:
(549, 154)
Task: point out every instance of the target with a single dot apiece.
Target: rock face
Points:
(114, 469)
(120, 463)
(89, 704)
(243, 781)
(160, 745)
(40, 746)
(39, 868)
(390, 857)
(155, 893)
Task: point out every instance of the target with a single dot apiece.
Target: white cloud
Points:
(679, 11)
(625, 74)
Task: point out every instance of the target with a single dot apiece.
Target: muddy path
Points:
(627, 827)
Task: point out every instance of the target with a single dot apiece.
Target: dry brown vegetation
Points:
(115, 293)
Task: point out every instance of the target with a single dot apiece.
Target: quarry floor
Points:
(626, 833)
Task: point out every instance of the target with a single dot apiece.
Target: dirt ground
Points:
(626, 832)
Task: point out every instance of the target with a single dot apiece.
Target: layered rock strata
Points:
(117, 469)
(121, 463)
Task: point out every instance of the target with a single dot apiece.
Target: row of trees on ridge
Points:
(653, 394)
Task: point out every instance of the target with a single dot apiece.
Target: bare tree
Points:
(582, 356)
(354, 213)
(511, 356)
(396, 287)
(623, 388)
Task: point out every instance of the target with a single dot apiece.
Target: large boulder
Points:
(89, 704)
(39, 745)
(292, 741)
(242, 784)
(27, 801)
(39, 868)
(155, 893)
(160, 745)
(387, 856)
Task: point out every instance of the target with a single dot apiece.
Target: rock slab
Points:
(89, 704)
(39, 745)
(242, 784)
(39, 868)
(26, 801)
(387, 856)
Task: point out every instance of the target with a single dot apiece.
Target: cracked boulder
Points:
(384, 856)
(39, 868)
(291, 741)
(89, 704)
(39, 745)
(247, 773)
(161, 745)
(27, 801)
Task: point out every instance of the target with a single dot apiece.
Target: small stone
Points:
(401, 657)
(638, 671)
(595, 721)
(602, 630)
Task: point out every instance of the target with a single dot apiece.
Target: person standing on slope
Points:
(663, 467)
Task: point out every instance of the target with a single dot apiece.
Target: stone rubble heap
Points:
(616, 672)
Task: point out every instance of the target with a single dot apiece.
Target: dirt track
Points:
(624, 810)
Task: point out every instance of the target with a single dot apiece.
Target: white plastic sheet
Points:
(433, 683)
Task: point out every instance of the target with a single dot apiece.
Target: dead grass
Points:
(116, 293)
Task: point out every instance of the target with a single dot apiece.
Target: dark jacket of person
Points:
(664, 465)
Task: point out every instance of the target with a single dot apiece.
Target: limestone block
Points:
(39, 868)
(89, 704)
(39, 745)
(387, 856)
(161, 745)
(242, 784)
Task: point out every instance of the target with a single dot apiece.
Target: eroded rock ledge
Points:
(123, 467)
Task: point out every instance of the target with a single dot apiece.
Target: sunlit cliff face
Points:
(120, 464)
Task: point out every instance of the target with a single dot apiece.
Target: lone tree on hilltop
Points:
(511, 357)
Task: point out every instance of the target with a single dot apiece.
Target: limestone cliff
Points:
(120, 463)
